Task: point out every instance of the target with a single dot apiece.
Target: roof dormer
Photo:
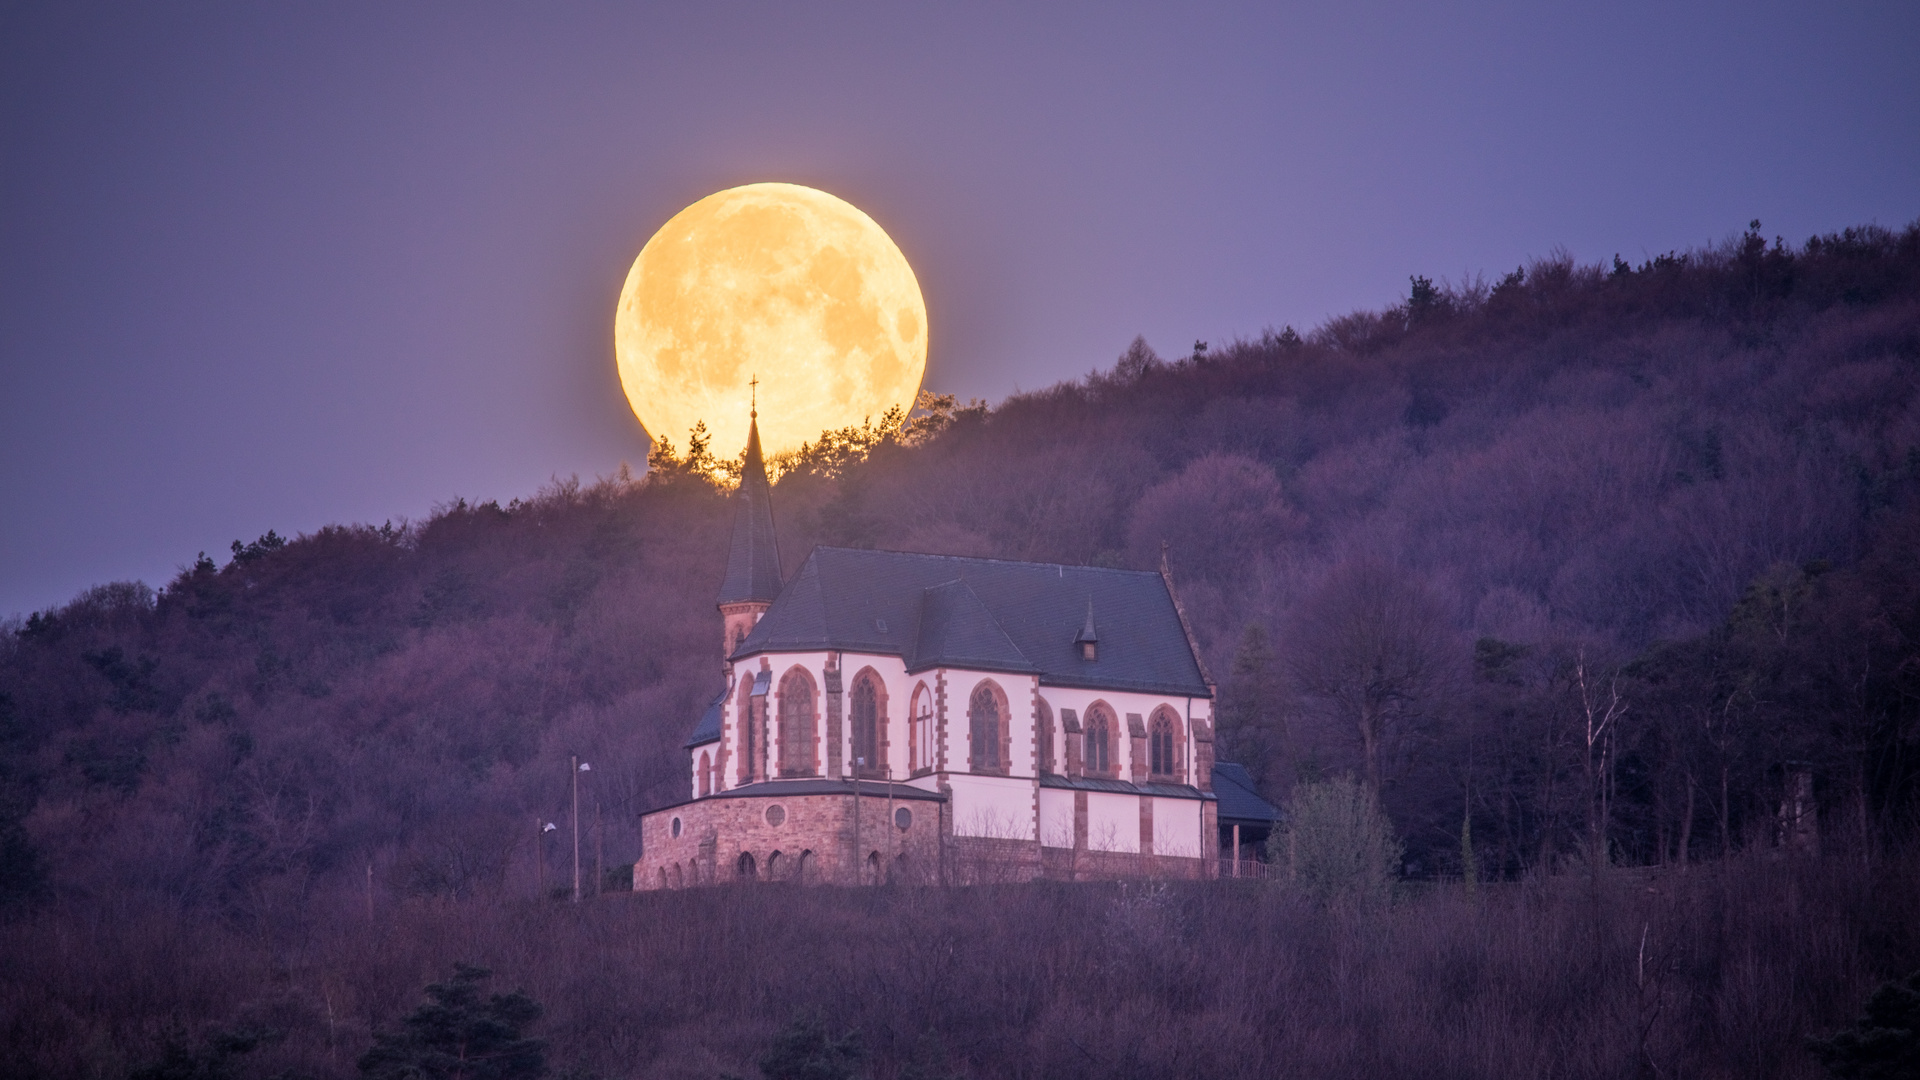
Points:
(1088, 641)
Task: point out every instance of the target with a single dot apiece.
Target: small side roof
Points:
(708, 729)
(1239, 801)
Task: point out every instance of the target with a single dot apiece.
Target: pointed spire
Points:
(1088, 641)
(753, 557)
(1086, 631)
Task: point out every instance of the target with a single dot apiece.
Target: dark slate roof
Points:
(753, 558)
(1238, 799)
(986, 614)
(708, 730)
(957, 630)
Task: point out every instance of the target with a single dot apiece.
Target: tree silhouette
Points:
(1884, 1043)
(457, 1035)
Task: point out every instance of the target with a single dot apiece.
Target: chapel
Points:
(891, 716)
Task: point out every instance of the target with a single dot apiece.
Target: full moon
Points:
(778, 282)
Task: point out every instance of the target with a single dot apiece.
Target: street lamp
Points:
(578, 768)
(540, 851)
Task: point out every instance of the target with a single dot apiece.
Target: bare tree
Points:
(1600, 709)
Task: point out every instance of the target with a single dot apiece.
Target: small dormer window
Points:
(1089, 650)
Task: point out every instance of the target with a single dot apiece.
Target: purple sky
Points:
(282, 265)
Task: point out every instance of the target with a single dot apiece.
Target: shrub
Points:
(1338, 847)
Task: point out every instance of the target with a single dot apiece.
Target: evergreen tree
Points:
(1884, 1044)
(1251, 717)
(458, 1035)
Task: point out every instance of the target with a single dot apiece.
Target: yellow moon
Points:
(779, 282)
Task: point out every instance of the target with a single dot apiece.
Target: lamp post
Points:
(578, 768)
(540, 832)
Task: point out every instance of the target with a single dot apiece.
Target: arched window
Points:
(1160, 749)
(743, 726)
(745, 867)
(920, 737)
(1163, 744)
(706, 773)
(797, 733)
(1043, 736)
(774, 867)
(869, 726)
(985, 717)
(678, 881)
(1098, 759)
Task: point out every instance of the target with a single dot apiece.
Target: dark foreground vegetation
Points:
(1721, 971)
(1591, 572)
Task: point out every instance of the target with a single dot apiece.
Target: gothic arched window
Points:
(868, 745)
(797, 734)
(744, 725)
(1043, 738)
(1098, 759)
(706, 773)
(920, 733)
(1160, 746)
(985, 716)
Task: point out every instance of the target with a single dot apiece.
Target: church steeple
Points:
(753, 557)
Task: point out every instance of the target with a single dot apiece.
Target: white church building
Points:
(898, 716)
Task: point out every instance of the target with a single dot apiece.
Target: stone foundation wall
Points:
(812, 839)
(806, 838)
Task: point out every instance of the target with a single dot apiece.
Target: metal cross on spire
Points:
(753, 408)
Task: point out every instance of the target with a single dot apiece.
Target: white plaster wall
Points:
(1176, 827)
(778, 664)
(996, 806)
(1056, 817)
(893, 675)
(1122, 703)
(960, 685)
(1019, 692)
(1113, 821)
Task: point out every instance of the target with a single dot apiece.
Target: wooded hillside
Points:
(1588, 559)
(1404, 539)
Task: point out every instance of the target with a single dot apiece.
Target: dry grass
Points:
(1721, 971)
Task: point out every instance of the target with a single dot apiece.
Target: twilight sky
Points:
(284, 265)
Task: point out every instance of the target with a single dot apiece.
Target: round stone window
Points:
(903, 819)
(675, 827)
(776, 814)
